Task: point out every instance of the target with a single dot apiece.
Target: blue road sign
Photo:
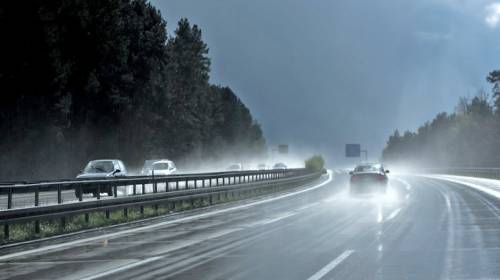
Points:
(352, 150)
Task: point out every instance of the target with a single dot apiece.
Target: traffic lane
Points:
(303, 245)
(118, 250)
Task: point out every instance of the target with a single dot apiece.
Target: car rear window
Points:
(367, 168)
(161, 166)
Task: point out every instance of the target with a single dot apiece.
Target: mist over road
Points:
(424, 228)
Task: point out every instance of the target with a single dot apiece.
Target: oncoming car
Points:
(101, 169)
(368, 178)
(160, 167)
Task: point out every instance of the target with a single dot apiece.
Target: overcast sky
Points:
(321, 73)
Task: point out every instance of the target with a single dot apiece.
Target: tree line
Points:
(81, 80)
(468, 137)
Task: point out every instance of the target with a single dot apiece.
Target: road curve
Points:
(423, 228)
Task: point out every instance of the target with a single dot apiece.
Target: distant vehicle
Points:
(235, 167)
(368, 178)
(159, 167)
(279, 165)
(100, 169)
(262, 166)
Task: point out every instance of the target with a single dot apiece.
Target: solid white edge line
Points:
(407, 185)
(121, 268)
(471, 185)
(393, 214)
(185, 219)
(330, 266)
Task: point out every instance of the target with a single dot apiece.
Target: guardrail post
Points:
(63, 223)
(155, 187)
(6, 232)
(107, 214)
(87, 218)
(135, 189)
(196, 183)
(37, 227)
(203, 183)
(37, 196)
(142, 210)
(59, 196)
(115, 191)
(80, 193)
(125, 212)
(177, 185)
(9, 199)
(98, 192)
(186, 184)
(143, 188)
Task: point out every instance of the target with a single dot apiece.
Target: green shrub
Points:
(315, 163)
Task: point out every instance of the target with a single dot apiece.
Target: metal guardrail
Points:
(164, 189)
(138, 185)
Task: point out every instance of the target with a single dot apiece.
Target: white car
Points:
(101, 168)
(280, 165)
(160, 167)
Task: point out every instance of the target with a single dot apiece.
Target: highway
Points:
(424, 228)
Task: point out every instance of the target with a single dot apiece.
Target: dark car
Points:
(368, 178)
(101, 169)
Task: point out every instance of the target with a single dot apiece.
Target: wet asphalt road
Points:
(422, 229)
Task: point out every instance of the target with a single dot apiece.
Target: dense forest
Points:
(468, 137)
(81, 80)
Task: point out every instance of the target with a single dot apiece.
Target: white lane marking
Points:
(471, 185)
(393, 214)
(307, 206)
(329, 267)
(121, 268)
(407, 185)
(272, 220)
(185, 219)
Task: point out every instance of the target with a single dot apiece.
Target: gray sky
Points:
(321, 73)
